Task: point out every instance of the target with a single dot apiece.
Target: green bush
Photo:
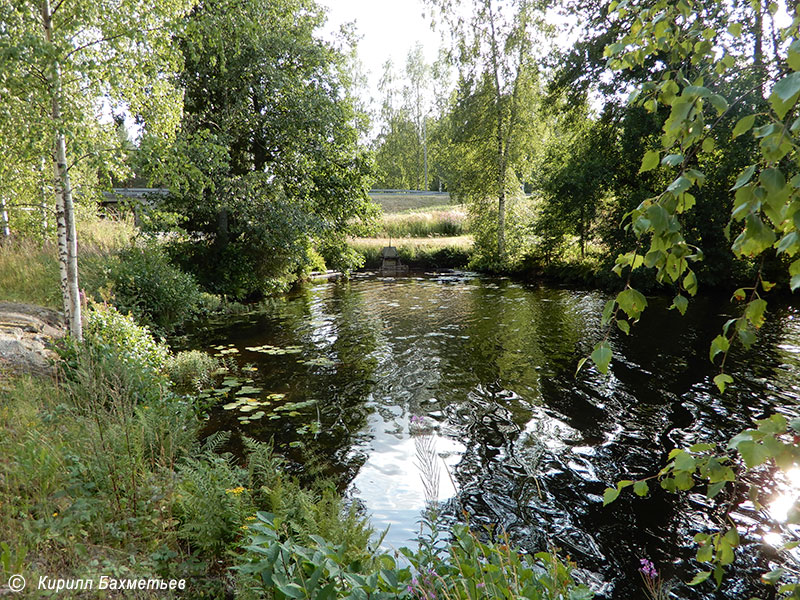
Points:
(191, 371)
(110, 332)
(156, 292)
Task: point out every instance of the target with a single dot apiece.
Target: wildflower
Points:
(244, 528)
(235, 491)
(481, 585)
(251, 519)
(648, 569)
(55, 514)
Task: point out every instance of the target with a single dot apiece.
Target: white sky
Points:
(389, 29)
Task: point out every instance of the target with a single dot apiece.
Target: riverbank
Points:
(104, 473)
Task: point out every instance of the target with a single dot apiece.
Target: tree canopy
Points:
(267, 163)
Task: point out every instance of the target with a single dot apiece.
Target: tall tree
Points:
(64, 60)
(493, 117)
(268, 162)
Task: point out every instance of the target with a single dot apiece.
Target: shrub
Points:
(191, 371)
(110, 332)
(156, 292)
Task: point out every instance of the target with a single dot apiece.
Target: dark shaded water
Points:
(486, 368)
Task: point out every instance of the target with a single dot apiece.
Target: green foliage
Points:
(492, 122)
(283, 567)
(711, 97)
(483, 224)
(158, 294)
(191, 371)
(697, 117)
(772, 441)
(86, 480)
(109, 332)
(218, 498)
(267, 163)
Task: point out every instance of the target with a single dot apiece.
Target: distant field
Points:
(398, 203)
(462, 242)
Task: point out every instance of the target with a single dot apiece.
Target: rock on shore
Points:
(25, 331)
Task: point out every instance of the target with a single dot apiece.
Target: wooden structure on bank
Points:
(390, 263)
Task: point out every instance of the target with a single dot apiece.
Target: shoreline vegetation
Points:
(103, 470)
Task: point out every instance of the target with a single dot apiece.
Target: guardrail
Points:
(414, 192)
(119, 194)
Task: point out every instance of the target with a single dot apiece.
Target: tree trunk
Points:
(65, 220)
(583, 231)
(5, 230)
(43, 204)
(501, 158)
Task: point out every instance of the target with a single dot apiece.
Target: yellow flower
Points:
(244, 527)
(251, 518)
(235, 491)
(55, 514)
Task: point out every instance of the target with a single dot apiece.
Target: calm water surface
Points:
(480, 374)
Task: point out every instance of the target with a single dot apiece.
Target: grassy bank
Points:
(29, 269)
(114, 266)
(102, 473)
(429, 232)
(428, 253)
(442, 221)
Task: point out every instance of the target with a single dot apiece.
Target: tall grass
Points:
(29, 269)
(434, 252)
(450, 222)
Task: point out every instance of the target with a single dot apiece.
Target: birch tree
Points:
(70, 61)
(492, 47)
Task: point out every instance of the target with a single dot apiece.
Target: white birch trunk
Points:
(4, 226)
(65, 219)
(43, 204)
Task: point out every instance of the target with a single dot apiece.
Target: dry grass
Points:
(398, 203)
(462, 242)
(29, 269)
(449, 222)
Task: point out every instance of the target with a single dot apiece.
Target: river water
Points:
(463, 388)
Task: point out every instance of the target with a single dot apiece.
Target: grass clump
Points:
(191, 371)
(101, 472)
(448, 223)
(429, 253)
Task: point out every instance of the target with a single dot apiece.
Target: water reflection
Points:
(490, 366)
